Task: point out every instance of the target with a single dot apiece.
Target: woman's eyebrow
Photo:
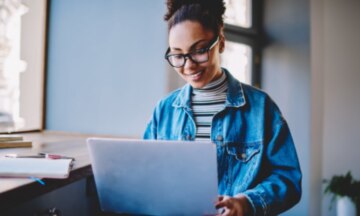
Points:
(191, 47)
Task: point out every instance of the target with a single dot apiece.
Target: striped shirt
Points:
(206, 102)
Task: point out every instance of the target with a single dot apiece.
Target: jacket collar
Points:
(235, 94)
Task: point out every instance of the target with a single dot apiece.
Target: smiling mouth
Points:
(194, 75)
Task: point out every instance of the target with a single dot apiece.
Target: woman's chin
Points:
(197, 85)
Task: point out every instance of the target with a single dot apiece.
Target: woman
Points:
(258, 168)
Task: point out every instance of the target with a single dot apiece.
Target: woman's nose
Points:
(189, 63)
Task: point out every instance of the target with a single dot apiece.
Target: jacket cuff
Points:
(257, 201)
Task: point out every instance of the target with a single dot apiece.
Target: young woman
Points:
(258, 168)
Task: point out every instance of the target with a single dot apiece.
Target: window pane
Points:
(21, 64)
(237, 59)
(238, 12)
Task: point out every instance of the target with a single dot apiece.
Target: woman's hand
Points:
(234, 206)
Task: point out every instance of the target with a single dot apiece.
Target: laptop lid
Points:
(155, 177)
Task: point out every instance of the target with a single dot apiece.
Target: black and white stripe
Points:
(206, 102)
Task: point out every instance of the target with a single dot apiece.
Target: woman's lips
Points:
(195, 76)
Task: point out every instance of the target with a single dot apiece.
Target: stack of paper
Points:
(35, 167)
(13, 141)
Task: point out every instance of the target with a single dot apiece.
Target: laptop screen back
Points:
(155, 177)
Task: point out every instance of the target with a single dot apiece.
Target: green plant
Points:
(343, 185)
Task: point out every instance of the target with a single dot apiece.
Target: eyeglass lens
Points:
(199, 56)
(180, 60)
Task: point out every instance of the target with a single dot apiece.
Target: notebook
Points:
(15, 144)
(155, 177)
(35, 167)
(13, 141)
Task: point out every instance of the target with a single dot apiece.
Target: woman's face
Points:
(188, 37)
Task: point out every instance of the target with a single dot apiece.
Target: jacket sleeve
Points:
(151, 128)
(280, 187)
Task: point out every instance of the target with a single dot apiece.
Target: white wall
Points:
(316, 84)
(286, 77)
(317, 100)
(340, 32)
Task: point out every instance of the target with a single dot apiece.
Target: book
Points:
(8, 137)
(35, 167)
(15, 144)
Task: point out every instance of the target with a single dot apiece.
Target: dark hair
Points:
(209, 13)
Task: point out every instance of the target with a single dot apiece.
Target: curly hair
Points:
(207, 12)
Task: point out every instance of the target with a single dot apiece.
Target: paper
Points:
(35, 167)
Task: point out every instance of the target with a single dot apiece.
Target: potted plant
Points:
(346, 190)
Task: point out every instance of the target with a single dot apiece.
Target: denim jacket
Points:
(255, 151)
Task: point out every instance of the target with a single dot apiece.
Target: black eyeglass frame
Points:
(212, 43)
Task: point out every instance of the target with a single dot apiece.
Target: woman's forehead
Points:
(184, 34)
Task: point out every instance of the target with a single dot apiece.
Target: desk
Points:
(16, 191)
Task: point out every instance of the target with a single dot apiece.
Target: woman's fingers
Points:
(220, 198)
(223, 201)
(226, 212)
(230, 207)
(224, 206)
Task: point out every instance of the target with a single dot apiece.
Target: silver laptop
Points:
(155, 177)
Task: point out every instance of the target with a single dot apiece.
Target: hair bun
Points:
(216, 7)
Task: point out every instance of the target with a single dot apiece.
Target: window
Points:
(238, 13)
(243, 38)
(237, 59)
(22, 54)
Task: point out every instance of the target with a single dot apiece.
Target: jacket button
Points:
(219, 138)
(243, 156)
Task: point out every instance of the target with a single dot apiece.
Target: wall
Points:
(286, 76)
(314, 78)
(105, 65)
(341, 90)
(317, 98)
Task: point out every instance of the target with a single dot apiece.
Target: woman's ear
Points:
(222, 46)
(221, 42)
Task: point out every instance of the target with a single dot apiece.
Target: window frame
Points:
(252, 37)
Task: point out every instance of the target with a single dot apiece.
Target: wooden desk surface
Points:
(16, 190)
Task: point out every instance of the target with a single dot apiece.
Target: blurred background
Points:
(97, 67)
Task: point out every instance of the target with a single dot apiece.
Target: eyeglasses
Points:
(197, 56)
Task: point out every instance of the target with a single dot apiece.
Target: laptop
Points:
(152, 177)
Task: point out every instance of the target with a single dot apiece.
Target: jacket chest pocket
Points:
(242, 161)
(243, 152)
